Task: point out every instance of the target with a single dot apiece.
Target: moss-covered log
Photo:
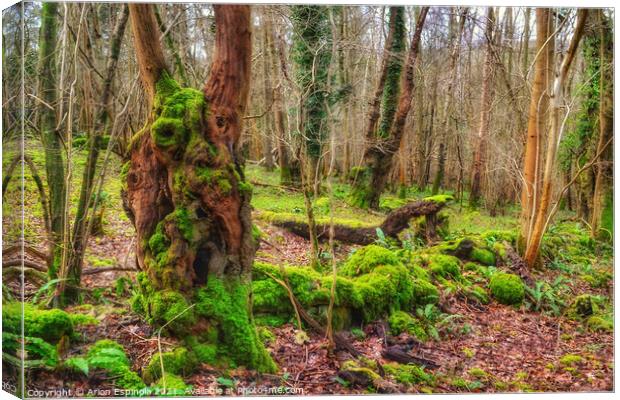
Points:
(395, 222)
(187, 196)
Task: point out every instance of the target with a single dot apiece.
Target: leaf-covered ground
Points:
(477, 347)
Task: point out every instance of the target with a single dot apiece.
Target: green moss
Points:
(471, 266)
(167, 132)
(266, 335)
(171, 385)
(170, 307)
(424, 292)
(367, 258)
(477, 293)
(482, 256)
(440, 198)
(274, 321)
(444, 266)
(362, 367)
(158, 242)
(245, 188)
(387, 288)
(83, 319)
(226, 303)
(599, 324)
(478, 373)
(401, 321)
(409, 374)
(49, 325)
(582, 306)
(507, 288)
(179, 362)
(571, 360)
(184, 223)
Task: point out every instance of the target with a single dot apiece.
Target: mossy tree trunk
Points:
(68, 289)
(50, 136)
(380, 154)
(382, 108)
(311, 53)
(187, 196)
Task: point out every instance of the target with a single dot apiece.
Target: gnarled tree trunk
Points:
(187, 196)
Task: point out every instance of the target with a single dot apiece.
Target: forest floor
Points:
(476, 346)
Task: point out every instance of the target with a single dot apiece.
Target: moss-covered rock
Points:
(363, 368)
(171, 385)
(582, 306)
(507, 288)
(424, 292)
(49, 325)
(401, 321)
(180, 361)
(482, 256)
(444, 266)
(367, 258)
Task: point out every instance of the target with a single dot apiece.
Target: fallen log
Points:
(395, 222)
(401, 355)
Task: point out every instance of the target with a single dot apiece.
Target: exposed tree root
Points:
(395, 222)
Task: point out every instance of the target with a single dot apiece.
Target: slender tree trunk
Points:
(555, 131)
(80, 234)
(279, 113)
(179, 66)
(454, 57)
(536, 120)
(268, 95)
(54, 164)
(603, 191)
(485, 114)
(187, 195)
(526, 40)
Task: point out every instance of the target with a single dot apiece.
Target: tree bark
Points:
(454, 57)
(267, 93)
(52, 143)
(536, 120)
(555, 131)
(485, 114)
(186, 192)
(80, 233)
(383, 107)
(603, 191)
(380, 155)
